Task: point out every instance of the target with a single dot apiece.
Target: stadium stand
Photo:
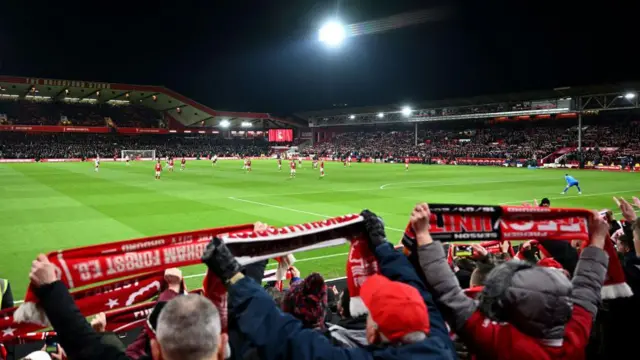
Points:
(577, 292)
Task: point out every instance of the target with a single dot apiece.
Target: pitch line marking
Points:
(436, 183)
(275, 264)
(574, 196)
(298, 211)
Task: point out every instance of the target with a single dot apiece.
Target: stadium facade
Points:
(179, 113)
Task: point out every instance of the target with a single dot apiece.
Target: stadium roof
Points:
(556, 93)
(185, 110)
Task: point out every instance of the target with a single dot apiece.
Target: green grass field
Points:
(51, 206)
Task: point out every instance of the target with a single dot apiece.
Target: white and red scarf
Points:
(455, 223)
(87, 265)
(93, 300)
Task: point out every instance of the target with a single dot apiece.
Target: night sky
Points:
(263, 55)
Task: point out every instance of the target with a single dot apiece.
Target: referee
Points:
(6, 296)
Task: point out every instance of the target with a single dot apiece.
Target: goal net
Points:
(139, 154)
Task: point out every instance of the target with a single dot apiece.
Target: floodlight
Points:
(380, 115)
(332, 33)
(629, 95)
(225, 123)
(246, 124)
(406, 111)
(352, 117)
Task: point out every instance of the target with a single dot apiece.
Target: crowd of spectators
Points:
(617, 143)
(537, 300)
(15, 145)
(601, 143)
(496, 142)
(26, 112)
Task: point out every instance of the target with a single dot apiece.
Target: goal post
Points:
(139, 154)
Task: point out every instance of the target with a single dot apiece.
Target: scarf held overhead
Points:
(86, 265)
(450, 223)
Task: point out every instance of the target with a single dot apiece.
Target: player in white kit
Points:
(127, 159)
(97, 163)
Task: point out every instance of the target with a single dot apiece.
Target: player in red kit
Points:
(406, 164)
(279, 164)
(344, 162)
(293, 168)
(322, 168)
(183, 163)
(158, 170)
(248, 165)
(171, 164)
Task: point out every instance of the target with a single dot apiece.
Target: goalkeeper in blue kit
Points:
(571, 182)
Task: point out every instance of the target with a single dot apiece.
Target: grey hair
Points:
(189, 328)
(410, 338)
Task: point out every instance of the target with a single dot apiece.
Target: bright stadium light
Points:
(352, 117)
(380, 115)
(406, 111)
(332, 33)
(225, 123)
(246, 124)
(629, 95)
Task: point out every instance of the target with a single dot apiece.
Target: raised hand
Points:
(598, 231)
(375, 229)
(99, 323)
(479, 249)
(43, 272)
(220, 260)
(420, 223)
(627, 210)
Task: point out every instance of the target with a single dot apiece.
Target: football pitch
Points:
(52, 206)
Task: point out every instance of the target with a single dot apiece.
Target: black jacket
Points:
(75, 335)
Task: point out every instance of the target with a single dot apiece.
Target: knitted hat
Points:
(307, 301)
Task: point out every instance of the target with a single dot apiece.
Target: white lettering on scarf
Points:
(132, 261)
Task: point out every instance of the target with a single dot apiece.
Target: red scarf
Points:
(102, 298)
(86, 265)
(451, 223)
(361, 264)
(90, 264)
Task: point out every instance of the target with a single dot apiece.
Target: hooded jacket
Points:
(349, 332)
(490, 339)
